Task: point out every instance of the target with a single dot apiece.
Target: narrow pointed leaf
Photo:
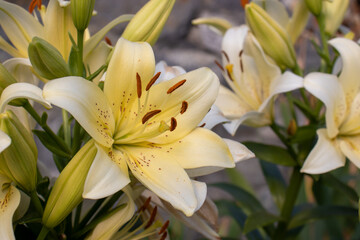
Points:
(259, 219)
(337, 184)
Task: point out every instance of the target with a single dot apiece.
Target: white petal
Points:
(5, 141)
(324, 157)
(22, 90)
(350, 147)
(9, 201)
(106, 228)
(200, 190)
(156, 169)
(105, 177)
(167, 72)
(21, 70)
(350, 55)
(327, 88)
(238, 151)
(86, 102)
(213, 118)
(351, 123)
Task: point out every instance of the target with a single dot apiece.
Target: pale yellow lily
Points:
(9, 201)
(341, 96)
(151, 129)
(254, 79)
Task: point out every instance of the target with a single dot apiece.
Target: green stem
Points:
(66, 127)
(77, 137)
(46, 128)
(283, 139)
(80, 45)
(36, 202)
(325, 61)
(43, 233)
(290, 199)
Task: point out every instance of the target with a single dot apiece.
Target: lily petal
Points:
(325, 156)
(199, 92)
(350, 147)
(106, 228)
(350, 55)
(351, 123)
(155, 169)
(327, 88)
(86, 102)
(238, 151)
(19, 26)
(167, 72)
(213, 118)
(22, 90)
(21, 70)
(105, 177)
(128, 60)
(9, 201)
(200, 190)
(5, 141)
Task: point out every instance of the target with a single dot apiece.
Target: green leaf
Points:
(275, 182)
(335, 183)
(243, 198)
(238, 179)
(259, 219)
(321, 212)
(270, 153)
(304, 134)
(50, 144)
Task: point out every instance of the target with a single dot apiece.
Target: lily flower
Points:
(341, 96)
(9, 201)
(254, 79)
(150, 129)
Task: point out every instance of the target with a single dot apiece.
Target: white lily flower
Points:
(341, 96)
(254, 79)
(9, 201)
(148, 128)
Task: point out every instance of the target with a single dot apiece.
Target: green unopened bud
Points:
(18, 160)
(5, 78)
(334, 13)
(81, 11)
(314, 6)
(149, 21)
(272, 37)
(46, 60)
(67, 191)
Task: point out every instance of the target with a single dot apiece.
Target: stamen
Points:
(164, 227)
(202, 125)
(33, 4)
(184, 107)
(138, 85)
(152, 81)
(108, 41)
(241, 62)
(149, 115)
(176, 86)
(173, 124)
(152, 218)
(219, 65)
(226, 56)
(145, 205)
(163, 237)
(229, 71)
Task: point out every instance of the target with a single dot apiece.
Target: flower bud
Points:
(67, 191)
(272, 37)
(18, 160)
(81, 11)
(46, 60)
(149, 21)
(5, 78)
(334, 13)
(315, 6)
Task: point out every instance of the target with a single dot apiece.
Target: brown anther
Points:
(244, 2)
(202, 125)
(184, 106)
(220, 66)
(152, 217)
(164, 227)
(241, 65)
(173, 124)
(241, 53)
(229, 74)
(33, 4)
(163, 237)
(108, 41)
(152, 81)
(149, 115)
(176, 86)
(145, 205)
(138, 85)
(226, 56)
